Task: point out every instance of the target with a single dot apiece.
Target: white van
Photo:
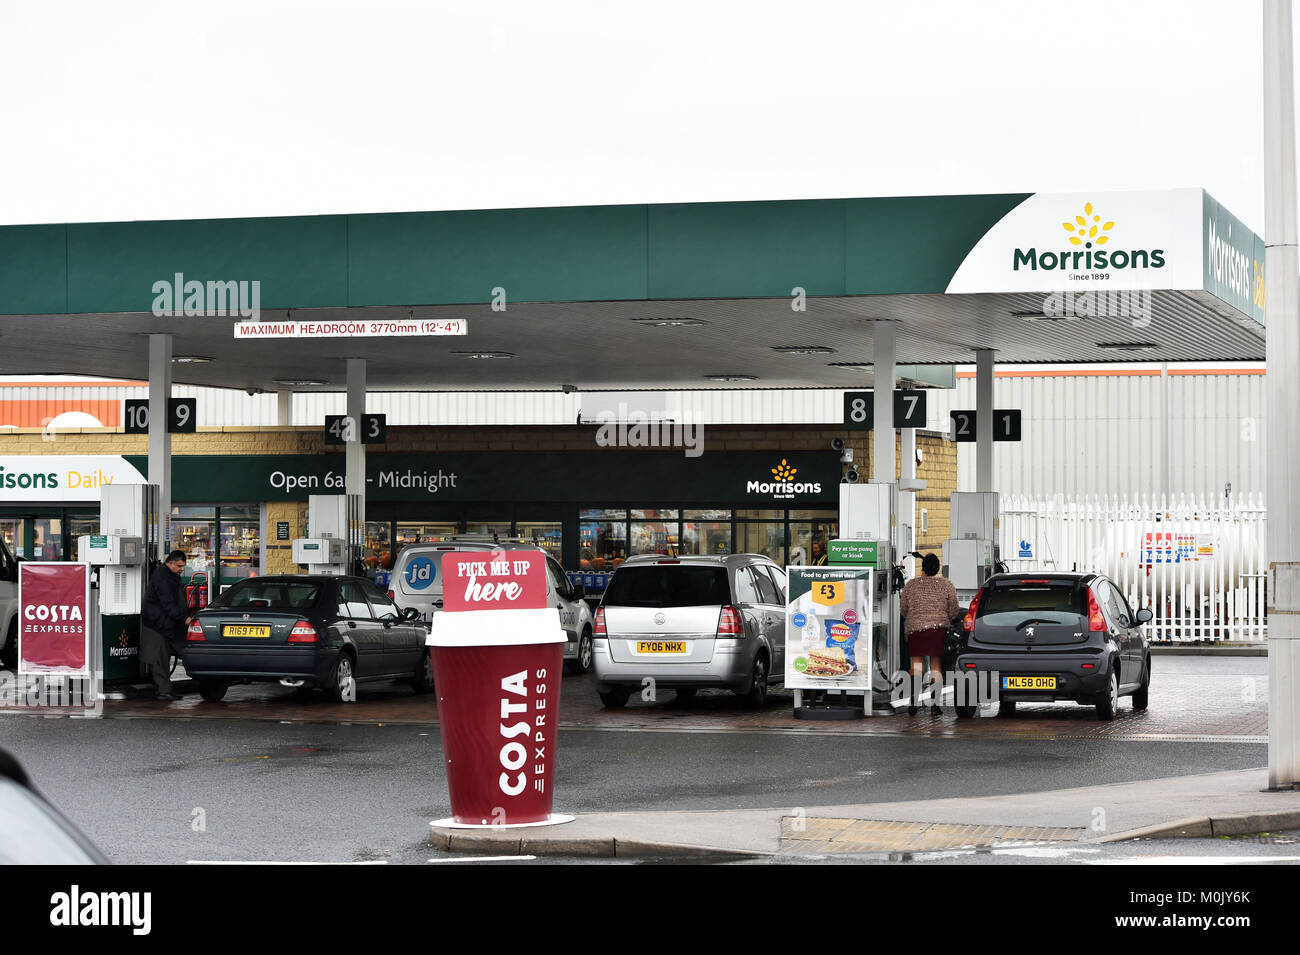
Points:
(417, 582)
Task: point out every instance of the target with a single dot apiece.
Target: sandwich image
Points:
(828, 661)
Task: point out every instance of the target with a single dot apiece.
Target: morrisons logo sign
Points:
(1088, 236)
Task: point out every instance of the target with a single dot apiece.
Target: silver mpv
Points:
(683, 623)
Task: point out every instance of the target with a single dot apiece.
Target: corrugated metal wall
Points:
(1103, 434)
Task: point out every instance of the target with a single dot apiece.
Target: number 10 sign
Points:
(181, 415)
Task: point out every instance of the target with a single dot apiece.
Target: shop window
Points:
(47, 542)
(79, 527)
(240, 542)
(654, 537)
(488, 528)
(414, 532)
(379, 549)
(12, 532)
(548, 535)
(706, 537)
(603, 537)
(194, 530)
(808, 540)
(762, 538)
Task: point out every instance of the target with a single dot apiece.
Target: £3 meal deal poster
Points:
(828, 628)
(54, 618)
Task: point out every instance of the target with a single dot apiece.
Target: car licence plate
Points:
(1029, 683)
(245, 630)
(661, 646)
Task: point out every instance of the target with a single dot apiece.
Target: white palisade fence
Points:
(1198, 562)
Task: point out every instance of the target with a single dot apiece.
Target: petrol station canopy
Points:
(772, 294)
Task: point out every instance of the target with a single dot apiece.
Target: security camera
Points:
(250, 392)
(920, 456)
(837, 444)
(568, 389)
(851, 476)
(846, 456)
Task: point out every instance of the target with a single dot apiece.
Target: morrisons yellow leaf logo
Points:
(784, 472)
(1088, 228)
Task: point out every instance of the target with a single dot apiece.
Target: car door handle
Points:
(352, 624)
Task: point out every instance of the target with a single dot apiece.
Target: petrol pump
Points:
(331, 521)
(120, 557)
(970, 555)
(869, 512)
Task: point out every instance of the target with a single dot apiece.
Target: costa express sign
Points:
(53, 618)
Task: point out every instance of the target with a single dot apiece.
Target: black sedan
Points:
(306, 631)
(1042, 637)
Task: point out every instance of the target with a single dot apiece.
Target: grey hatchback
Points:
(1045, 637)
(684, 623)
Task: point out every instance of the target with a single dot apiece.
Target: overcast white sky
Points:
(156, 110)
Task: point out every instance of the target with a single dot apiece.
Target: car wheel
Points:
(1108, 701)
(423, 682)
(615, 698)
(966, 712)
(9, 652)
(1007, 708)
(343, 684)
(214, 691)
(1140, 697)
(583, 663)
(756, 695)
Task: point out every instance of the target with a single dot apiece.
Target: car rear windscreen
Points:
(668, 585)
(271, 594)
(1007, 602)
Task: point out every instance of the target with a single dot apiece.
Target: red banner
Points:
(494, 580)
(53, 617)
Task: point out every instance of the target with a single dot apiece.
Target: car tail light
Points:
(968, 621)
(668, 562)
(598, 625)
(1095, 620)
(971, 666)
(303, 632)
(194, 633)
(1088, 666)
(729, 622)
(1041, 581)
(390, 596)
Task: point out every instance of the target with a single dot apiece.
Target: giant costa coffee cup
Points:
(497, 674)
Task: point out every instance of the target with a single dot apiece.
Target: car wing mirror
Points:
(1144, 615)
(579, 591)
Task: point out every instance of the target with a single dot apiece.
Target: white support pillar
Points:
(907, 499)
(160, 439)
(356, 451)
(883, 353)
(984, 419)
(1282, 344)
(284, 408)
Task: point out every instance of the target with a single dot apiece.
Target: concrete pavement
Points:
(1229, 803)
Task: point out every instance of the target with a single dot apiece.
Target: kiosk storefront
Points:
(47, 501)
(590, 509)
